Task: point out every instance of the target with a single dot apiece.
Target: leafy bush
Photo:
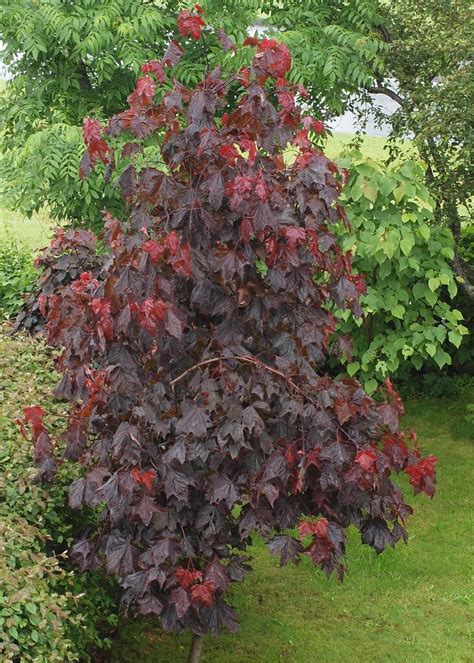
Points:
(191, 360)
(47, 612)
(408, 321)
(17, 276)
(70, 253)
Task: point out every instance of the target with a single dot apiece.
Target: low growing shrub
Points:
(48, 611)
(17, 276)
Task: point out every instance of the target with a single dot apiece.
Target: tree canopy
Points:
(428, 71)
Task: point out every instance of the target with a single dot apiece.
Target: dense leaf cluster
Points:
(191, 360)
(70, 253)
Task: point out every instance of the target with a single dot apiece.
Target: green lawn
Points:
(413, 604)
(34, 232)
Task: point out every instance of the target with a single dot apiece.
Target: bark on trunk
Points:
(196, 649)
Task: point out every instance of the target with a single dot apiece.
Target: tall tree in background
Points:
(429, 73)
(71, 59)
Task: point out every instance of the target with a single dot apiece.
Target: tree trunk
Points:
(196, 649)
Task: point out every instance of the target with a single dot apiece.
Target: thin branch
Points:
(381, 89)
(256, 362)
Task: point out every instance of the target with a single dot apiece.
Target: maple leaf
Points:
(190, 24)
(187, 578)
(91, 130)
(155, 250)
(172, 54)
(273, 58)
(295, 236)
(216, 573)
(287, 547)
(146, 88)
(422, 475)
(203, 593)
(367, 460)
(144, 478)
(226, 43)
(120, 554)
(156, 68)
(34, 416)
(179, 597)
(194, 420)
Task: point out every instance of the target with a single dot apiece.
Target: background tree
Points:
(428, 71)
(192, 360)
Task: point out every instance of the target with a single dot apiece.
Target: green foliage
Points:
(408, 321)
(335, 47)
(32, 612)
(47, 612)
(466, 245)
(69, 60)
(469, 417)
(17, 276)
(428, 69)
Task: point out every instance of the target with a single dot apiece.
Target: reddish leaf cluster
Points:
(192, 359)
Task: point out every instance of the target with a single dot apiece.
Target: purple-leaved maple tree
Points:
(191, 356)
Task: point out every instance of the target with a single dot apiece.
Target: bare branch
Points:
(380, 89)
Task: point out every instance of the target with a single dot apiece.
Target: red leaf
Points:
(367, 460)
(318, 529)
(144, 478)
(190, 24)
(422, 475)
(203, 593)
(146, 88)
(91, 130)
(156, 68)
(295, 236)
(187, 578)
(34, 416)
(154, 249)
(318, 126)
(230, 153)
(273, 58)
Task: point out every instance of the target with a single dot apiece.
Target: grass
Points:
(34, 233)
(371, 146)
(413, 604)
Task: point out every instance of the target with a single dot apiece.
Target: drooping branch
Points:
(381, 89)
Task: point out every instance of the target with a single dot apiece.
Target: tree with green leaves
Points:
(428, 72)
(71, 59)
(409, 320)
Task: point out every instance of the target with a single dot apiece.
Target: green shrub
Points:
(33, 614)
(17, 276)
(48, 612)
(409, 320)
